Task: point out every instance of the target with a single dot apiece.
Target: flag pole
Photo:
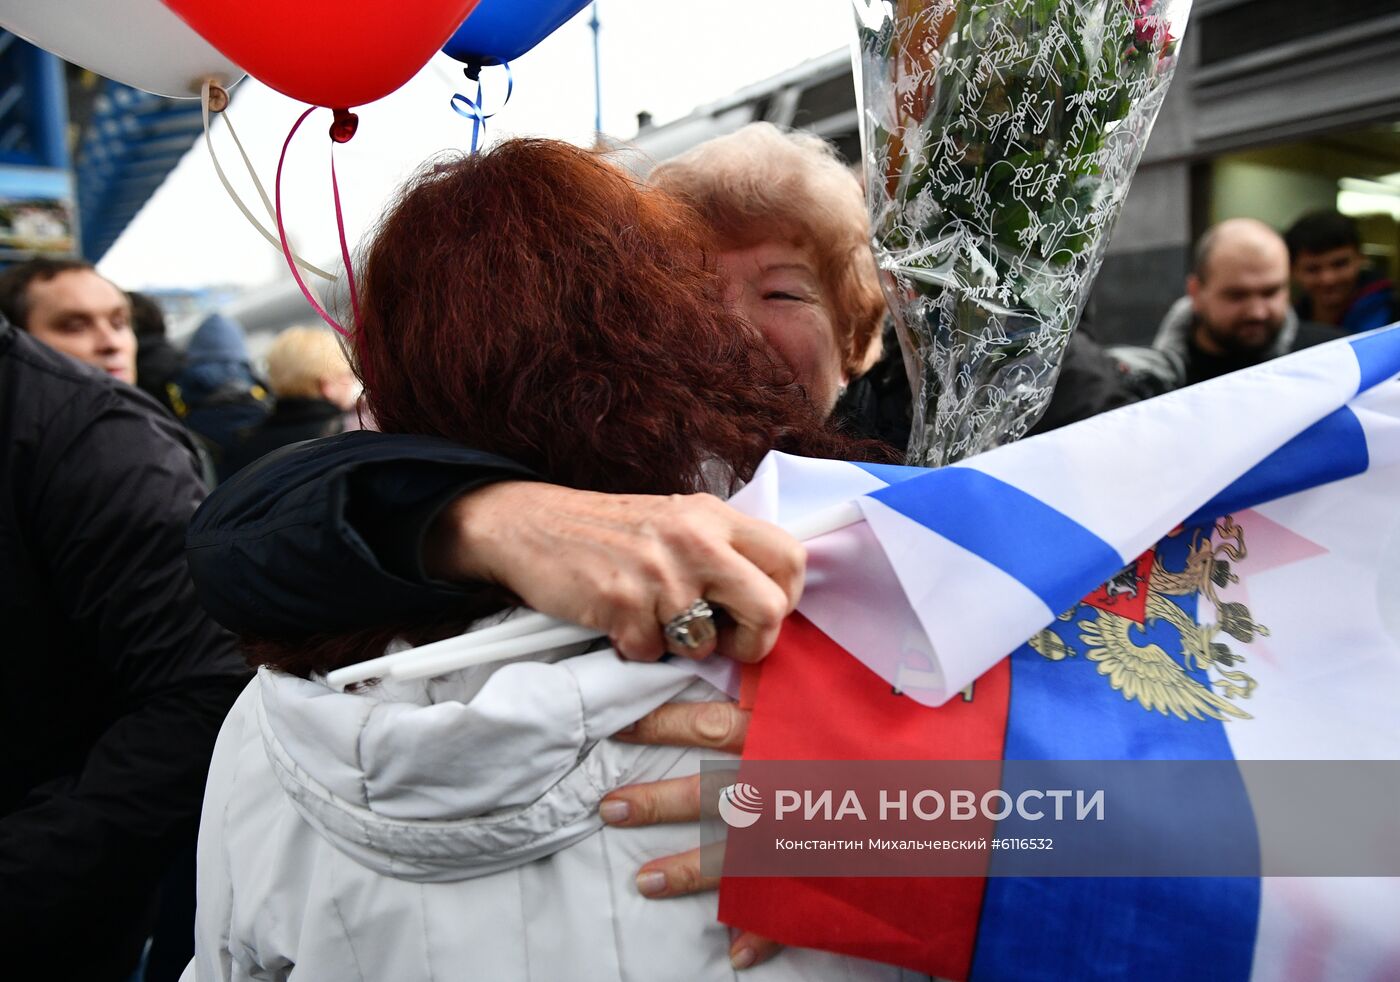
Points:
(597, 79)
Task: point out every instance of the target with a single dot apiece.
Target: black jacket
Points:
(116, 681)
(292, 421)
(158, 364)
(324, 537)
(879, 404)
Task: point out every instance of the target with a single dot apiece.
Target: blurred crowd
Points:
(1253, 294)
(113, 435)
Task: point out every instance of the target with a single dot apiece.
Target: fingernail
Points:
(613, 812)
(742, 958)
(651, 883)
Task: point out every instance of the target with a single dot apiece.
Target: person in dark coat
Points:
(218, 396)
(158, 362)
(116, 679)
(314, 388)
(353, 514)
(1235, 314)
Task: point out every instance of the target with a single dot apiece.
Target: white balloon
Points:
(142, 43)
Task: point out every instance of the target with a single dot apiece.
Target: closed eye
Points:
(780, 295)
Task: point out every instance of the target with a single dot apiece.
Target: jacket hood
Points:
(1174, 333)
(216, 356)
(219, 338)
(463, 775)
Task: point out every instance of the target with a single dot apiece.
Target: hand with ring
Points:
(681, 573)
(692, 629)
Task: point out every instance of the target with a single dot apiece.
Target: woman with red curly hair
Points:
(535, 302)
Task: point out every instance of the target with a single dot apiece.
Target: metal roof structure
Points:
(118, 143)
(131, 143)
(33, 112)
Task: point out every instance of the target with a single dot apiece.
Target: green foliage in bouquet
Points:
(1002, 136)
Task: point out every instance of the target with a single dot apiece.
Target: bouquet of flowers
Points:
(1000, 137)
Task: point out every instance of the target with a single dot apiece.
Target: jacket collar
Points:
(1174, 333)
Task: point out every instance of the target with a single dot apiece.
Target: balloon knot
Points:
(473, 71)
(218, 97)
(344, 125)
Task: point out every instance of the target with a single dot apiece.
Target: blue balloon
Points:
(502, 30)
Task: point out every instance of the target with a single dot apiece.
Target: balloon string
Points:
(474, 110)
(344, 248)
(248, 165)
(282, 231)
(223, 179)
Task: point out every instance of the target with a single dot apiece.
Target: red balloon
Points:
(327, 52)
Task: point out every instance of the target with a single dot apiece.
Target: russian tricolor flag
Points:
(1213, 574)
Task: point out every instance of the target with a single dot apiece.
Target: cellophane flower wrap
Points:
(1000, 137)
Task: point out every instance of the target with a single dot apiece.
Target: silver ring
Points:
(692, 628)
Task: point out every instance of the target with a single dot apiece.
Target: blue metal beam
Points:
(49, 107)
(129, 143)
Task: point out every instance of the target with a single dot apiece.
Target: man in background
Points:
(1339, 286)
(218, 395)
(1235, 313)
(69, 306)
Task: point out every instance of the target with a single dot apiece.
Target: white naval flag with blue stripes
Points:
(955, 568)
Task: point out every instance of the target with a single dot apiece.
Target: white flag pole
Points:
(530, 632)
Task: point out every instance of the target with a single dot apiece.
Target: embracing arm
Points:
(325, 537)
(368, 530)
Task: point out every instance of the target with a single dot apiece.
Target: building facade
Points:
(1279, 107)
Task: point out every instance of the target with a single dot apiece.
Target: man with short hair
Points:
(1236, 311)
(1339, 286)
(69, 306)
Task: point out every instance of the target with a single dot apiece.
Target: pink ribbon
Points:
(340, 229)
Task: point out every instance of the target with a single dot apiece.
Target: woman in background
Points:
(315, 389)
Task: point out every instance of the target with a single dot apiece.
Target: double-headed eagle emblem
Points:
(1138, 600)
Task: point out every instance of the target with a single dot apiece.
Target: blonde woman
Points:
(314, 387)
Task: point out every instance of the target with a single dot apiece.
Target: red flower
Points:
(1151, 30)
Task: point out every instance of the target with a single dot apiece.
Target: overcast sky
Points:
(663, 56)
